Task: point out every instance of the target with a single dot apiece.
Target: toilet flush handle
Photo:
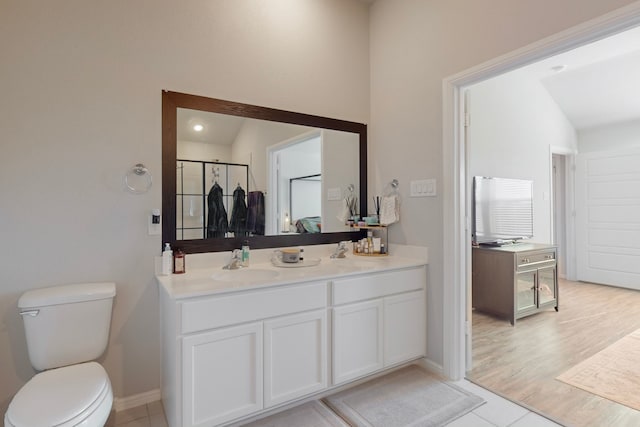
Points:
(32, 313)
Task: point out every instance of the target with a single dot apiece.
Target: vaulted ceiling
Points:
(599, 84)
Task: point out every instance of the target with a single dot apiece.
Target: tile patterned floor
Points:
(149, 415)
(497, 412)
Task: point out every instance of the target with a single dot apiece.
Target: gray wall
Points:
(81, 103)
(415, 44)
(514, 121)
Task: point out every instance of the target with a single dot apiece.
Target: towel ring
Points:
(392, 188)
(138, 179)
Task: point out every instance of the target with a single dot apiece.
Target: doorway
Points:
(294, 181)
(456, 218)
(559, 210)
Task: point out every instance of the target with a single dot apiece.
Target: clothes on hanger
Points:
(217, 224)
(238, 223)
(255, 213)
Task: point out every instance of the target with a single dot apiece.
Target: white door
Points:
(608, 217)
(357, 340)
(405, 327)
(295, 356)
(230, 356)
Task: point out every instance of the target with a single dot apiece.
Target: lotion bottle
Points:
(178, 262)
(167, 260)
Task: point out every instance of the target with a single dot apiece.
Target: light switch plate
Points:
(154, 229)
(423, 188)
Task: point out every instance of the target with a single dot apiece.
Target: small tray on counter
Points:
(307, 262)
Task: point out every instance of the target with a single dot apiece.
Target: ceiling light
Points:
(558, 68)
(198, 128)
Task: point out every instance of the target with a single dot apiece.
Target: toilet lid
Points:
(55, 397)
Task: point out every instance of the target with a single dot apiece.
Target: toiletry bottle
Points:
(245, 253)
(178, 262)
(167, 260)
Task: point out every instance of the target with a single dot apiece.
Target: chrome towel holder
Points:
(138, 179)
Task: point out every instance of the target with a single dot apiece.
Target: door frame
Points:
(456, 218)
(272, 198)
(569, 251)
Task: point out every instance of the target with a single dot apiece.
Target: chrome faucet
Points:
(341, 250)
(235, 262)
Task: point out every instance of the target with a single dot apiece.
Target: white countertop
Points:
(203, 280)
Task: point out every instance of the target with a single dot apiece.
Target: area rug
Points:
(612, 373)
(311, 414)
(407, 397)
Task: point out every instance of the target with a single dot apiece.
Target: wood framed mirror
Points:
(191, 164)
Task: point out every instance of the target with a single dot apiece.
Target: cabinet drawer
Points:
(214, 312)
(525, 259)
(378, 285)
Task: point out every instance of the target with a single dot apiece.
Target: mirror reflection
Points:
(290, 173)
(238, 176)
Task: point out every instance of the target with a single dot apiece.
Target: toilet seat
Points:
(76, 395)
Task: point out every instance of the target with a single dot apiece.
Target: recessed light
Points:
(198, 128)
(558, 68)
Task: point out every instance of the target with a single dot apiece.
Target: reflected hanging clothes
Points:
(217, 224)
(238, 223)
(255, 214)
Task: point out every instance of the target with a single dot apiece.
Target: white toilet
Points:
(66, 328)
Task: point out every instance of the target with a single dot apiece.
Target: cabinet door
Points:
(222, 375)
(295, 356)
(405, 327)
(357, 340)
(526, 291)
(547, 289)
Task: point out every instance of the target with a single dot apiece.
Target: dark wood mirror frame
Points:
(171, 101)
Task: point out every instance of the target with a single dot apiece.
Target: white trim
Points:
(430, 366)
(456, 239)
(124, 403)
(569, 208)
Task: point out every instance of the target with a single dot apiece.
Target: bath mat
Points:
(612, 373)
(312, 414)
(407, 397)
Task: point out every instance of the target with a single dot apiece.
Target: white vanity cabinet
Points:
(357, 340)
(405, 327)
(229, 356)
(295, 356)
(378, 321)
(237, 353)
(233, 354)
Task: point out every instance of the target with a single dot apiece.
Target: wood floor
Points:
(521, 362)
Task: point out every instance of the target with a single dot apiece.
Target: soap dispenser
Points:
(245, 253)
(167, 260)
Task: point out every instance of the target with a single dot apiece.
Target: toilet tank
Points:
(65, 325)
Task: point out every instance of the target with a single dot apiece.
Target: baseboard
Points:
(123, 403)
(431, 366)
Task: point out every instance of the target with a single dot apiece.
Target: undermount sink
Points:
(245, 275)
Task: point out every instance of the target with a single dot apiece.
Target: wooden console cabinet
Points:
(514, 281)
